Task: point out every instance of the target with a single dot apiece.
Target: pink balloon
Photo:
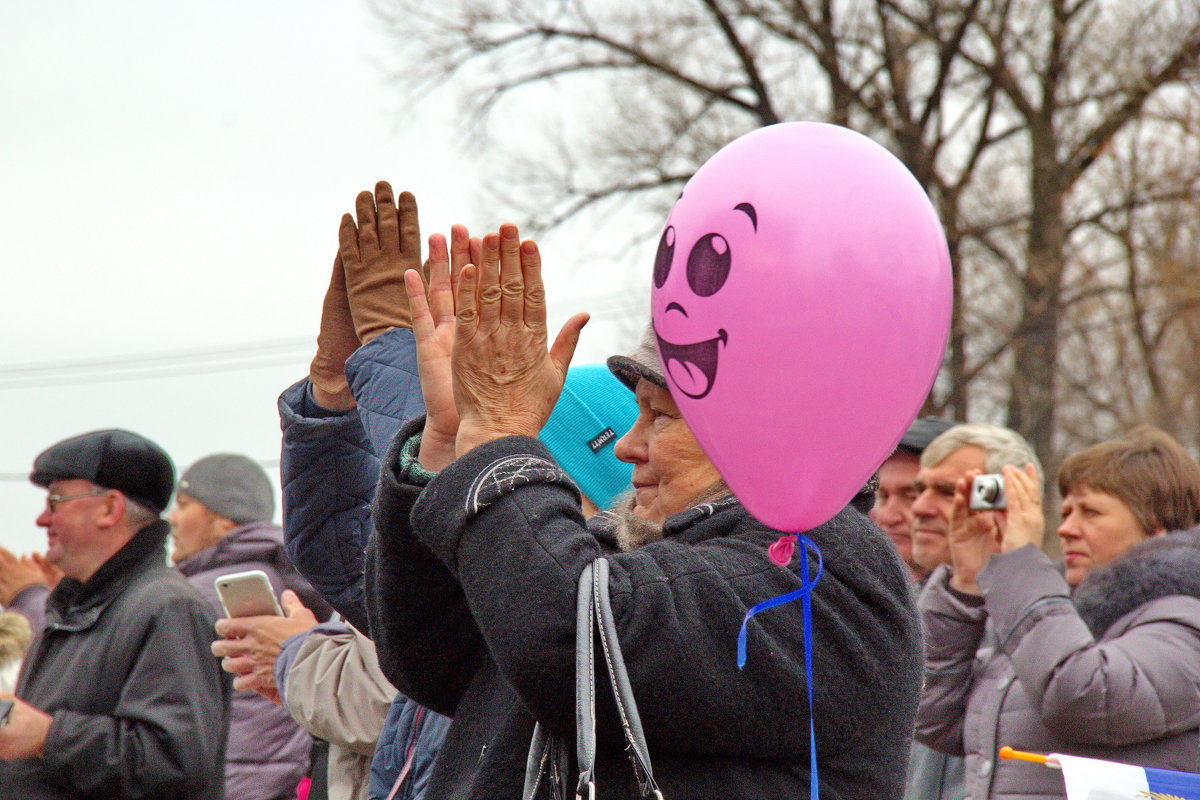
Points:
(801, 301)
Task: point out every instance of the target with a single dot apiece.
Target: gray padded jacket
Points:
(1113, 675)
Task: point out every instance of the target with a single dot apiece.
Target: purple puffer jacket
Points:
(267, 752)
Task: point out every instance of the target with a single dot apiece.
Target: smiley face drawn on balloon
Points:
(815, 256)
(692, 366)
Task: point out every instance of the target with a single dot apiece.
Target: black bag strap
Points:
(594, 613)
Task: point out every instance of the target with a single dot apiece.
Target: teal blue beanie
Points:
(593, 411)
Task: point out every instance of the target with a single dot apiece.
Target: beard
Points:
(631, 530)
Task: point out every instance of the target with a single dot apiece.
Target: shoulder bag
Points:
(547, 761)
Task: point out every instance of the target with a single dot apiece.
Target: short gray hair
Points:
(1000, 445)
(137, 515)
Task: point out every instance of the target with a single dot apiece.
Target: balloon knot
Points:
(782, 551)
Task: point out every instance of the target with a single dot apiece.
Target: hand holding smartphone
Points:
(247, 594)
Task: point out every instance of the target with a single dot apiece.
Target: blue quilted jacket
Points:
(329, 469)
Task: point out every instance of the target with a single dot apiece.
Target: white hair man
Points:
(949, 457)
(946, 459)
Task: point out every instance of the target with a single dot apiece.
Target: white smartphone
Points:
(247, 594)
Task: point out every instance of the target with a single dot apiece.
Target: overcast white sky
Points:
(171, 179)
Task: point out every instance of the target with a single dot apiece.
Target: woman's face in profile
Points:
(669, 468)
(1096, 528)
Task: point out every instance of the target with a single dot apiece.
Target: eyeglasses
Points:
(52, 500)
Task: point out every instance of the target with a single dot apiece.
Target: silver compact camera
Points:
(987, 491)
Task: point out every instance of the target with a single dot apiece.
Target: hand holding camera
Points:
(1024, 522)
(975, 535)
(993, 513)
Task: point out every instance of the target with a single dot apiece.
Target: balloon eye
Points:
(666, 253)
(708, 264)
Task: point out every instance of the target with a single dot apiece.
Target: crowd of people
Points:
(447, 477)
(1095, 656)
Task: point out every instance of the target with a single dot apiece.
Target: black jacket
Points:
(471, 587)
(140, 704)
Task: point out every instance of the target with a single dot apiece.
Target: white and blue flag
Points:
(1094, 779)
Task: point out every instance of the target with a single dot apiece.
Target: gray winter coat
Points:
(1113, 675)
(268, 752)
(140, 706)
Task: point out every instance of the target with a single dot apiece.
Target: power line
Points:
(231, 358)
(23, 477)
(244, 350)
(148, 374)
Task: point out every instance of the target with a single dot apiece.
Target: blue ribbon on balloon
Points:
(803, 594)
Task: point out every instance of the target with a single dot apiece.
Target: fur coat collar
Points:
(1158, 567)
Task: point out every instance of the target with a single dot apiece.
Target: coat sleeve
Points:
(953, 630)
(336, 691)
(31, 601)
(505, 520)
(290, 578)
(164, 737)
(328, 473)
(330, 466)
(429, 646)
(383, 377)
(1135, 687)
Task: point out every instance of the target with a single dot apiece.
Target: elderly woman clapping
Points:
(480, 544)
(1101, 661)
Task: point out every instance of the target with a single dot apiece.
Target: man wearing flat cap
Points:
(895, 494)
(931, 775)
(120, 698)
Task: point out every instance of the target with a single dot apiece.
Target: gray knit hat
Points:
(230, 485)
(641, 363)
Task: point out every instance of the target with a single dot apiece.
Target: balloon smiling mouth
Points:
(693, 367)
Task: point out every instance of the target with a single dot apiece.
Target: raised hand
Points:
(17, 574)
(336, 342)
(376, 252)
(433, 322)
(1024, 520)
(50, 572)
(505, 380)
(975, 536)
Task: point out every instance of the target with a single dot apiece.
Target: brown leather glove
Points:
(335, 343)
(376, 253)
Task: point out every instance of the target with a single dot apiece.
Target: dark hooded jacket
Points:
(471, 586)
(1113, 675)
(140, 705)
(268, 752)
